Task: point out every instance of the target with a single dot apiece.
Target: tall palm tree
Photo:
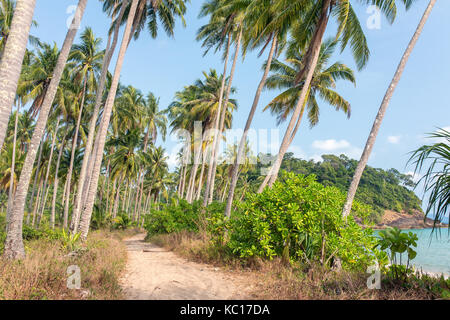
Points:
(86, 58)
(322, 84)
(437, 177)
(165, 11)
(7, 8)
(349, 32)
(14, 248)
(382, 111)
(86, 170)
(261, 31)
(232, 17)
(11, 62)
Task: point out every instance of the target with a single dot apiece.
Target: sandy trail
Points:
(153, 273)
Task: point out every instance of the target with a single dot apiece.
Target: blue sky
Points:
(420, 104)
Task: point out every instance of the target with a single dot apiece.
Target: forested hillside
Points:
(379, 188)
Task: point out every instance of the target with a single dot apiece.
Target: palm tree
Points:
(322, 84)
(165, 11)
(261, 31)
(382, 111)
(11, 62)
(85, 171)
(232, 17)
(7, 8)
(437, 177)
(349, 32)
(14, 248)
(86, 58)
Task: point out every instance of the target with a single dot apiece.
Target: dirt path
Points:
(152, 273)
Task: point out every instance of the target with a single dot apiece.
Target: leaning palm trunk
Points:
(382, 111)
(13, 167)
(14, 248)
(55, 185)
(74, 223)
(30, 202)
(87, 211)
(37, 203)
(11, 61)
(240, 153)
(308, 70)
(98, 100)
(217, 122)
(222, 119)
(117, 199)
(200, 182)
(44, 199)
(299, 121)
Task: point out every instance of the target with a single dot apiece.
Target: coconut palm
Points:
(436, 179)
(382, 111)
(164, 11)
(349, 32)
(261, 31)
(11, 62)
(7, 8)
(322, 84)
(86, 58)
(14, 244)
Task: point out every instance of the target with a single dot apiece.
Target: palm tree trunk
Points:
(184, 181)
(37, 203)
(222, 119)
(240, 153)
(75, 217)
(11, 61)
(382, 111)
(108, 199)
(30, 202)
(65, 217)
(124, 201)
(55, 185)
(200, 182)
(299, 121)
(217, 120)
(48, 172)
(87, 211)
(82, 186)
(309, 69)
(14, 244)
(41, 211)
(13, 167)
(116, 201)
(181, 181)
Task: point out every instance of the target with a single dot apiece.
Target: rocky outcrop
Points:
(405, 220)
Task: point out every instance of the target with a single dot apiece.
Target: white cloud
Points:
(330, 145)
(394, 139)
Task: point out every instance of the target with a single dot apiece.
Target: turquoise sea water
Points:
(433, 250)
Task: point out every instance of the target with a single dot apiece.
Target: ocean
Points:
(433, 250)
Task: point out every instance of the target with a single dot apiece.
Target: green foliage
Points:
(122, 222)
(381, 189)
(173, 218)
(396, 243)
(302, 218)
(70, 241)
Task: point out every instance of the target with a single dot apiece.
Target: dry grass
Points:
(43, 273)
(275, 281)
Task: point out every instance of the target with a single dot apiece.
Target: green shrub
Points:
(122, 222)
(173, 217)
(300, 219)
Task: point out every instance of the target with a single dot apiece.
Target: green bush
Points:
(173, 217)
(300, 218)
